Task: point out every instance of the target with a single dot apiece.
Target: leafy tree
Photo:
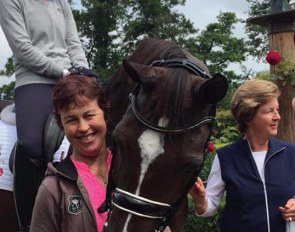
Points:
(7, 91)
(8, 68)
(258, 35)
(217, 46)
(156, 18)
(110, 29)
(98, 25)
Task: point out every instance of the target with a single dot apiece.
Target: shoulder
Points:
(233, 146)
(65, 5)
(49, 184)
(282, 144)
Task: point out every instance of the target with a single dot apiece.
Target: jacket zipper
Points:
(265, 191)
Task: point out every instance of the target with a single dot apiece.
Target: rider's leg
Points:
(33, 104)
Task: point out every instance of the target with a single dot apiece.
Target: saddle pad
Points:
(8, 138)
(62, 152)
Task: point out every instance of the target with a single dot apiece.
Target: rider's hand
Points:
(83, 71)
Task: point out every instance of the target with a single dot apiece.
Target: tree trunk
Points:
(283, 42)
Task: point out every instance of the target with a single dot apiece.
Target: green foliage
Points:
(283, 72)
(8, 68)
(98, 24)
(154, 18)
(207, 165)
(198, 224)
(225, 130)
(111, 29)
(258, 35)
(217, 46)
(7, 91)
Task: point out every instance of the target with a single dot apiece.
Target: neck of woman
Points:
(257, 143)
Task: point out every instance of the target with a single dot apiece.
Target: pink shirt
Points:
(96, 190)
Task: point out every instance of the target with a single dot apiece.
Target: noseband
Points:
(140, 206)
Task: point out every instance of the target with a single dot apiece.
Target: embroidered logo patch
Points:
(75, 205)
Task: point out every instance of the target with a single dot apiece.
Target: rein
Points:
(140, 206)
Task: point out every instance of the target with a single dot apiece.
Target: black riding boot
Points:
(28, 175)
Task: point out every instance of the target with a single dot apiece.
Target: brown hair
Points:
(70, 90)
(249, 97)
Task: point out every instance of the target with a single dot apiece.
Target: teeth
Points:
(86, 138)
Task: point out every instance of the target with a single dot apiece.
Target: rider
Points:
(45, 44)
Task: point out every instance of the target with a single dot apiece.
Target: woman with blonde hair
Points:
(256, 171)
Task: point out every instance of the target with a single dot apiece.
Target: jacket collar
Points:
(274, 146)
(66, 168)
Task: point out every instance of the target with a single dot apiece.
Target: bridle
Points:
(161, 129)
(140, 206)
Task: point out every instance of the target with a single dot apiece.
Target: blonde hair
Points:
(249, 97)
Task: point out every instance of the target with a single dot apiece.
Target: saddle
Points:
(53, 138)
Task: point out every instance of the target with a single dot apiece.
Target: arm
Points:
(45, 213)
(75, 49)
(206, 201)
(12, 21)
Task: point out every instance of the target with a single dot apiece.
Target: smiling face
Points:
(265, 121)
(85, 128)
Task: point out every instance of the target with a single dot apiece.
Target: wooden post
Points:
(284, 43)
(281, 39)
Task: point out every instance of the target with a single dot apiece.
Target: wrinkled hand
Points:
(198, 193)
(84, 71)
(288, 210)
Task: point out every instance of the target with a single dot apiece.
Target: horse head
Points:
(160, 143)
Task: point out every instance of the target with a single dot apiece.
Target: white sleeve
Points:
(214, 189)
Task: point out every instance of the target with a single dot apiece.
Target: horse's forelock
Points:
(174, 98)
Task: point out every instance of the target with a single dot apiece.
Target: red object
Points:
(273, 57)
(1, 171)
(210, 147)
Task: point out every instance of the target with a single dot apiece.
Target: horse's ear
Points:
(139, 73)
(214, 89)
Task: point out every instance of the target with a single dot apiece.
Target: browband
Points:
(185, 63)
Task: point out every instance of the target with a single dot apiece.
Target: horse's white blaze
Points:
(151, 145)
(126, 223)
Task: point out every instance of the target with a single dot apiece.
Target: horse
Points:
(176, 113)
(56, 144)
(160, 140)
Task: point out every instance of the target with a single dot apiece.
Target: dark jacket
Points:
(62, 202)
(251, 202)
